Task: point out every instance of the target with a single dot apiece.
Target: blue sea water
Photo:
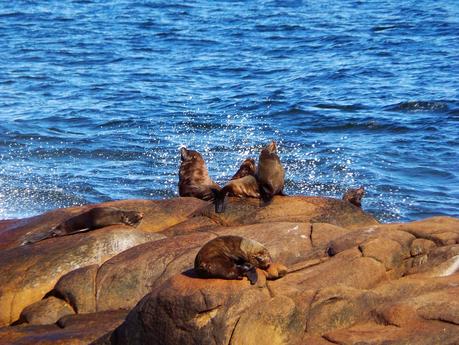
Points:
(96, 97)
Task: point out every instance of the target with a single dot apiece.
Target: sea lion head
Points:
(190, 155)
(257, 254)
(132, 218)
(354, 196)
(248, 167)
(270, 148)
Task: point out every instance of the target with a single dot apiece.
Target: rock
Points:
(349, 279)
(301, 209)
(126, 278)
(28, 273)
(72, 330)
(352, 297)
(46, 311)
(78, 288)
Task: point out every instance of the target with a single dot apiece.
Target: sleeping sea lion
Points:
(194, 179)
(270, 173)
(232, 257)
(95, 218)
(248, 167)
(354, 196)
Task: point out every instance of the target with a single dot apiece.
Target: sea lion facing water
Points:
(242, 184)
(95, 218)
(232, 257)
(354, 196)
(194, 179)
(270, 173)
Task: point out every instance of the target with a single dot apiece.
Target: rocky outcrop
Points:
(351, 280)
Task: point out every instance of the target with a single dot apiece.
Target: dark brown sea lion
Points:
(270, 173)
(194, 179)
(248, 167)
(232, 257)
(354, 196)
(95, 218)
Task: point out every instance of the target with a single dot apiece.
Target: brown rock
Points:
(301, 209)
(46, 311)
(126, 278)
(73, 330)
(78, 288)
(28, 273)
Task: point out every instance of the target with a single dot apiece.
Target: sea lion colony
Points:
(226, 257)
(250, 181)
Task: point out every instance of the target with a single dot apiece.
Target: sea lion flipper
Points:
(252, 275)
(34, 238)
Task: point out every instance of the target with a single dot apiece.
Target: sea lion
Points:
(270, 173)
(248, 167)
(232, 257)
(194, 179)
(95, 218)
(354, 196)
(242, 184)
(246, 186)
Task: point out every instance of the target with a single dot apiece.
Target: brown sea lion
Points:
(95, 218)
(246, 186)
(194, 179)
(248, 167)
(270, 173)
(232, 257)
(354, 196)
(242, 184)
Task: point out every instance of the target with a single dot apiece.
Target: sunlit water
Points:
(96, 97)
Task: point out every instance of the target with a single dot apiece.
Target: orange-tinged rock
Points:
(29, 272)
(72, 330)
(46, 312)
(301, 209)
(78, 288)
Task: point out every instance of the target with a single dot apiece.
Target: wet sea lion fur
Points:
(194, 179)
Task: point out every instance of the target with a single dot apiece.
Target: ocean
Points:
(97, 97)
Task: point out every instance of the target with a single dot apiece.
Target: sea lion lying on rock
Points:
(95, 218)
(235, 257)
(354, 196)
(194, 179)
(242, 184)
(270, 173)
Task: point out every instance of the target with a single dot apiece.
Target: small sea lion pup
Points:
(233, 257)
(354, 196)
(194, 179)
(270, 173)
(95, 218)
(242, 184)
